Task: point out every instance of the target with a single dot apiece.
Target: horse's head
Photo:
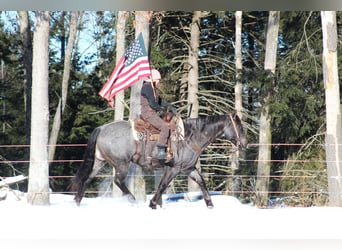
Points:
(235, 132)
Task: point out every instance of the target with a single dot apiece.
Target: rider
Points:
(151, 104)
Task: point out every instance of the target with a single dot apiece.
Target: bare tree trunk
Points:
(238, 93)
(120, 50)
(238, 63)
(119, 97)
(65, 85)
(38, 185)
(25, 32)
(142, 24)
(333, 110)
(193, 64)
(136, 180)
(265, 135)
(193, 79)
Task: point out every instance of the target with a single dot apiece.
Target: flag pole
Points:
(152, 84)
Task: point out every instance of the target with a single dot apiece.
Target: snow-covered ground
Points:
(117, 219)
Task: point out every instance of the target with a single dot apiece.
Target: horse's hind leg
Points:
(98, 164)
(198, 178)
(120, 176)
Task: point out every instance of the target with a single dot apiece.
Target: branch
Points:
(11, 180)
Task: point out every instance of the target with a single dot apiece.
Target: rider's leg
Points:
(157, 122)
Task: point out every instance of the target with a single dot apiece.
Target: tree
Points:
(25, 31)
(65, 85)
(265, 136)
(142, 24)
(193, 64)
(238, 90)
(193, 78)
(136, 182)
(38, 186)
(298, 111)
(120, 97)
(238, 63)
(84, 110)
(333, 109)
(120, 50)
(13, 105)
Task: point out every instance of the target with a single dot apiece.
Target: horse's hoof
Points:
(153, 205)
(170, 163)
(78, 201)
(210, 205)
(131, 199)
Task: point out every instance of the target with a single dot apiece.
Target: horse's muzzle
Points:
(243, 143)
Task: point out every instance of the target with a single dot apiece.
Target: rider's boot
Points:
(162, 156)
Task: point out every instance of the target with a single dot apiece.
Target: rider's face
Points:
(156, 83)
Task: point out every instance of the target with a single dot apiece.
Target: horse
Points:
(113, 143)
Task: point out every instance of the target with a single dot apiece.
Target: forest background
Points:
(297, 111)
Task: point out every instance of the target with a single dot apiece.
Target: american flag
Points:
(132, 66)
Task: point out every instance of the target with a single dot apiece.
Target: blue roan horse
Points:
(113, 143)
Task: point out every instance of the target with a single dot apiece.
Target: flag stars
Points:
(133, 52)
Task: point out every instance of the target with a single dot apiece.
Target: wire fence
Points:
(296, 185)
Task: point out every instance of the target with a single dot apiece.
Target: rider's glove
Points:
(172, 109)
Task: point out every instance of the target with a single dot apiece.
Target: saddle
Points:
(145, 132)
(141, 126)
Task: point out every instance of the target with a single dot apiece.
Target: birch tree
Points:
(120, 50)
(265, 135)
(193, 79)
(38, 185)
(237, 89)
(136, 180)
(238, 63)
(65, 85)
(119, 97)
(333, 137)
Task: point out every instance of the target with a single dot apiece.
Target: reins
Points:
(198, 149)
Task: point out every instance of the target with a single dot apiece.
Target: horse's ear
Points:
(236, 117)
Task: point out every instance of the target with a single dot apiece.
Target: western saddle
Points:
(146, 132)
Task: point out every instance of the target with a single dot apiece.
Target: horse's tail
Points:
(78, 181)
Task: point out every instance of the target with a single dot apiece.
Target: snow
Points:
(189, 218)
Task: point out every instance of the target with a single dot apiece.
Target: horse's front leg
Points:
(198, 178)
(169, 174)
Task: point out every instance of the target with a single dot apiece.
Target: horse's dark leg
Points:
(198, 178)
(81, 188)
(168, 176)
(119, 179)
(79, 182)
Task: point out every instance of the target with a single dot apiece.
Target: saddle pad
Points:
(135, 133)
(179, 134)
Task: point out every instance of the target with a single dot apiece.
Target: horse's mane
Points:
(198, 125)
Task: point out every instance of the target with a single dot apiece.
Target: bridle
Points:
(235, 130)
